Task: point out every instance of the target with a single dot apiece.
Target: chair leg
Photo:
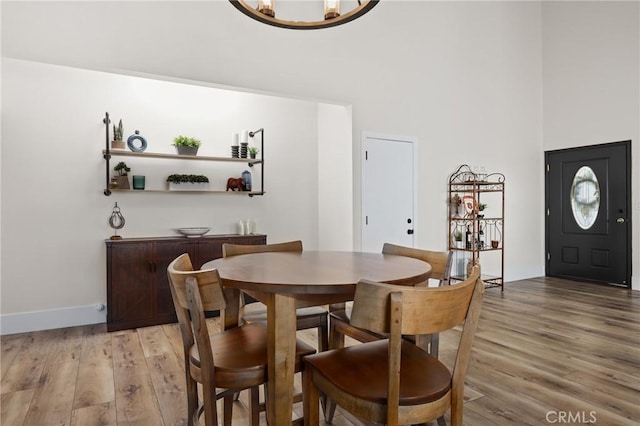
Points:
(266, 402)
(429, 343)
(323, 337)
(192, 400)
(336, 339)
(329, 410)
(209, 403)
(310, 399)
(254, 406)
(227, 415)
(434, 346)
(457, 406)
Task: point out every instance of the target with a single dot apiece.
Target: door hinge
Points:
(366, 220)
(366, 155)
(548, 213)
(547, 167)
(548, 256)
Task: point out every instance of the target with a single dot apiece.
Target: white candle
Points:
(244, 137)
(235, 139)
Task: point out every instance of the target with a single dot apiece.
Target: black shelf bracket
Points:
(252, 134)
(107, 154)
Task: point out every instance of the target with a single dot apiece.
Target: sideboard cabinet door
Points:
(138, 292)
(206, 250)
(130, 285)
(165, 253)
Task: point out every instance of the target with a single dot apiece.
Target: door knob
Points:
(620, 220)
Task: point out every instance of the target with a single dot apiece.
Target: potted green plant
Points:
(253, 151)
(186, 145)
(117, 142)
(122, 178)
(185, 182)
(457, 238)
(481, 207)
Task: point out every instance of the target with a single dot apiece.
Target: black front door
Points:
(588, 200)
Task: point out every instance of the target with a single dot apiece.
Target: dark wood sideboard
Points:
(138, 293)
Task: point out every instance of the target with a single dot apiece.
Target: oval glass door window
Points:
(585, 197)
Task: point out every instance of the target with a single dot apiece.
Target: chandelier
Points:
(265, 12)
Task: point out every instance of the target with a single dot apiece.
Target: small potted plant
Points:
(253, 151)
(457, 238)
(184, 182)
(481, 207)
(117, 142)
(122, 178)
(186, 145)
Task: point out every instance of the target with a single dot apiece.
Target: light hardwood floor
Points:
(547, 351)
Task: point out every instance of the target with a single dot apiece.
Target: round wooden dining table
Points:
(284, 281)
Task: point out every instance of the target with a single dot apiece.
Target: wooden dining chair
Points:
(440, 262)
(339, 320)
(339, 323)
(231, 360)
(307, 318)
(392, 381)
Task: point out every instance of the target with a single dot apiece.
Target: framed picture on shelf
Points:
(470, 204)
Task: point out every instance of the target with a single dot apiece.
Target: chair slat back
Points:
(425, 310)
(208, 282)
(440, 261)
(193, 293)
(229, 250)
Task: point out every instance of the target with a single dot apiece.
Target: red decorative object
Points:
(235, 184)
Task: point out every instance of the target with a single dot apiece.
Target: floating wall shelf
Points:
(107, 153)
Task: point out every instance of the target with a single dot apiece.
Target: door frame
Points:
(414, 152)
(627, 145)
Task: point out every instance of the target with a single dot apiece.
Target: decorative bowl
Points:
(193, 232)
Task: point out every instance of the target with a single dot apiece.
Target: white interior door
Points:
(387, 191)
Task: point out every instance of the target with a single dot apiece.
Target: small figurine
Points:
(116, 221)
(235, 184)
(131, 142)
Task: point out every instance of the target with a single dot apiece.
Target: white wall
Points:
(335, 183)
(591, 84)
(54, 214)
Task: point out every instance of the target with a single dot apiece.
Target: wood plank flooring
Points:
(547, 351)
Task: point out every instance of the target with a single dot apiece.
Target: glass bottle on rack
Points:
(468, 239)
